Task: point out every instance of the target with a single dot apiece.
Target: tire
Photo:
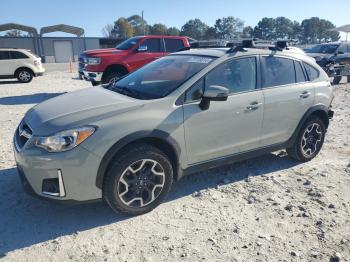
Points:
(24, 75)
(336, 80)
(111, 77)
(309, 140)
(348, 79)
(140, 172)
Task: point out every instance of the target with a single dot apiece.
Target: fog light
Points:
(54, 186)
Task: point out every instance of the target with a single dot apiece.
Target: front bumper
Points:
(93, 76)
(77, 168)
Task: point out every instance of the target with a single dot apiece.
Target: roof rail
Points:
(279, 45)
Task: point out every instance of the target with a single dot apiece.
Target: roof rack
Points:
(279, 45)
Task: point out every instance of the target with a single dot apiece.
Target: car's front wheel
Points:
(24, 75)
(112, 77)
(138, 181)
(309, 140)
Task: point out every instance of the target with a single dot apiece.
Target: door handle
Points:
(254, 106)
(305, 94)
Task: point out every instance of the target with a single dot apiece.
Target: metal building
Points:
(53, 49)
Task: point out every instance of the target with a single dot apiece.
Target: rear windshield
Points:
(127, 44)
(161, 77)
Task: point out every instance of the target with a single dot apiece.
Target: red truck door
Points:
(154, 50)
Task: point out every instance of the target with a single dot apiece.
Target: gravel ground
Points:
(269, 208)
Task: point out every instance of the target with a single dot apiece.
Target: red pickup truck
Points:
(108, 65)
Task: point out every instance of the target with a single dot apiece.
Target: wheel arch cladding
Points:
(162, 140)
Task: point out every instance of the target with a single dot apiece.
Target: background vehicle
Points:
(19, 63)
(107, 65)
(186, 112)
(333, 58)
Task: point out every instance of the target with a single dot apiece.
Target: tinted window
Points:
(238, 75)
(299, 72)
(277, 71)
(195, 92)
(173, 45)
(18, 55)
(312, 72)
(153, 44)
(4, 55)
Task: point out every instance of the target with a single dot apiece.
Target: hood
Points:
(106, 51)
(78, 108)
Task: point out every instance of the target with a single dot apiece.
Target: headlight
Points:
(93, 60)
(65, 140)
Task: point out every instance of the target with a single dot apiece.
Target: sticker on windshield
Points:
(201, 60)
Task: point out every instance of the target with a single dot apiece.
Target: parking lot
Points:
(269, 208)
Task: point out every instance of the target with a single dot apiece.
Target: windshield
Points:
(324, 49)
(161, 77)
(127, 44)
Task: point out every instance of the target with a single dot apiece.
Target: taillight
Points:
(37, 62)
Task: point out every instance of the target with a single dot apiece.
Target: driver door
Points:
(226, 127)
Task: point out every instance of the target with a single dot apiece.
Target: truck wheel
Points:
(138, 181)
(112, 78)
(24, 75)
(309, 140)
(336, 80)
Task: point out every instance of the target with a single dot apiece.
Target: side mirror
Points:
(142, 48)
(213, 93)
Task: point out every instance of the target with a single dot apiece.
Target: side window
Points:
(4, 55)
(195, 92)
(153, 45)
(173, 45)
(18, 55)
(277, 71)
(299, 73)
(312, 72)
(238, 75)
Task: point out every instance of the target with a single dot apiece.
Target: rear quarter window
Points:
(312, 72)
(18, 55)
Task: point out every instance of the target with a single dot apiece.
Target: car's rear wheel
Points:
(24, 75)
(138, 181)
(111, 78)
(309, 140)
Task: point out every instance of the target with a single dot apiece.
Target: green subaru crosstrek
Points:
(192, 110)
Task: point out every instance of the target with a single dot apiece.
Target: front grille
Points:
(23, 134)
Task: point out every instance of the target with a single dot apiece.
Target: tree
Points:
(158, 29)
(194, 28)
(228, 27)
(139, 25)
(108, 31)
(265, 29)
(283, 28)
(173, 31)
(122, 28)
(211, 33)
(316, 30)
(248, 32)
(14, 33)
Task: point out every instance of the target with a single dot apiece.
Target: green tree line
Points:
(309, 31)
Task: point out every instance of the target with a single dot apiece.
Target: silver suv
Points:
(192, 110)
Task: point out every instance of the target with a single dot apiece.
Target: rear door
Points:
(173, 45)
(287, 97)
(5, 64)
(226, 127)
(154, 51)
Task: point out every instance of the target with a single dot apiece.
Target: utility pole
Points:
(143, 24)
